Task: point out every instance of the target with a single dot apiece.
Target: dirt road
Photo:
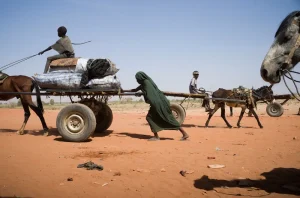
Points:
(35, 166)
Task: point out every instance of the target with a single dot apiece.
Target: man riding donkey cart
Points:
(63, 46)
(22, 83)
(193, 90)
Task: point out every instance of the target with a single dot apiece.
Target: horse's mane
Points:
(286, 22)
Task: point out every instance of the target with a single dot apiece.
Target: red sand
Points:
(36, 166)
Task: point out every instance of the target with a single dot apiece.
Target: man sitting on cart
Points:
(63, 46)
(194, 90)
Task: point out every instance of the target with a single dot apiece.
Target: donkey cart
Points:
(273, 108)
(78, 121)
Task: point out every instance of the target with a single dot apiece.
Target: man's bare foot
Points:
(154, 139)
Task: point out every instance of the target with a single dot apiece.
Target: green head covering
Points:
(141, 77)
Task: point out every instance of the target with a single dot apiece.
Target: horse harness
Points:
(292, 52)
(244, 94)
(287, 62)
(3, 77)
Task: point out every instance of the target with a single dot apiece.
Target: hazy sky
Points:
(225, 40)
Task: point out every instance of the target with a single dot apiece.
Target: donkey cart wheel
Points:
(178, 112)
(104, 119)
(274, 109)
(76, 122)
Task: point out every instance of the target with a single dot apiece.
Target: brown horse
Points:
(24, 84)
(264, 92)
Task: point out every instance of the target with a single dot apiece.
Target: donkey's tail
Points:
(38, 96)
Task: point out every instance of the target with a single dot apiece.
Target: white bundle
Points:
(58, 80)
(69, 77)
(110, 81)
(67, 80)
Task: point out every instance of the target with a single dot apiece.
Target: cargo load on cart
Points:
(75, 73)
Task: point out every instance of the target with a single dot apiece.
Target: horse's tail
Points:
(38, 96)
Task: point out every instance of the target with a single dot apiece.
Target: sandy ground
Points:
(257, 161)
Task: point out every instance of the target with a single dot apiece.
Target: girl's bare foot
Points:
(185, 137)
(154, 139)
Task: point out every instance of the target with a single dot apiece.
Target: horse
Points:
(263, 92)
(284, 53)
(24, 84)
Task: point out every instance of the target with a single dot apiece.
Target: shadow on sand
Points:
(279, 180)
(140, 136)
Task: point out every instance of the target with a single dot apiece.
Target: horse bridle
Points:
(284, 71)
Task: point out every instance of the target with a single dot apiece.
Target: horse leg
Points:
(27, 101)
(212, 113)
(25, 107)
(26, 117)
(39, 113)
(256, 117)
(241, 116)
(223, 115)
(231, 112)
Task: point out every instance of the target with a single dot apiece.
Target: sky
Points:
(226, 41)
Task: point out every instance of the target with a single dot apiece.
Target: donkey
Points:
(264, 92)
(24, 84)
(284, 53)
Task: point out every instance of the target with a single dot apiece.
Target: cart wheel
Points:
(178, 112)
(274, 109)
(76, 122)
(104, 119)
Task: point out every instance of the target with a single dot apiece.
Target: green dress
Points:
(160, 116)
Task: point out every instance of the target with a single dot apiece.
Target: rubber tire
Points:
(104, 119)
(85, 113)
(180, 112)
(274, 106)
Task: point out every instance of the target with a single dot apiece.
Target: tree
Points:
(51, 102)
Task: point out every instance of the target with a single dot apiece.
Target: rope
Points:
(291, 77)
(16, 62)
(81, 43)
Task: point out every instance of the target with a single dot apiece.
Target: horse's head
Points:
(264, 92)
(283, 53)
